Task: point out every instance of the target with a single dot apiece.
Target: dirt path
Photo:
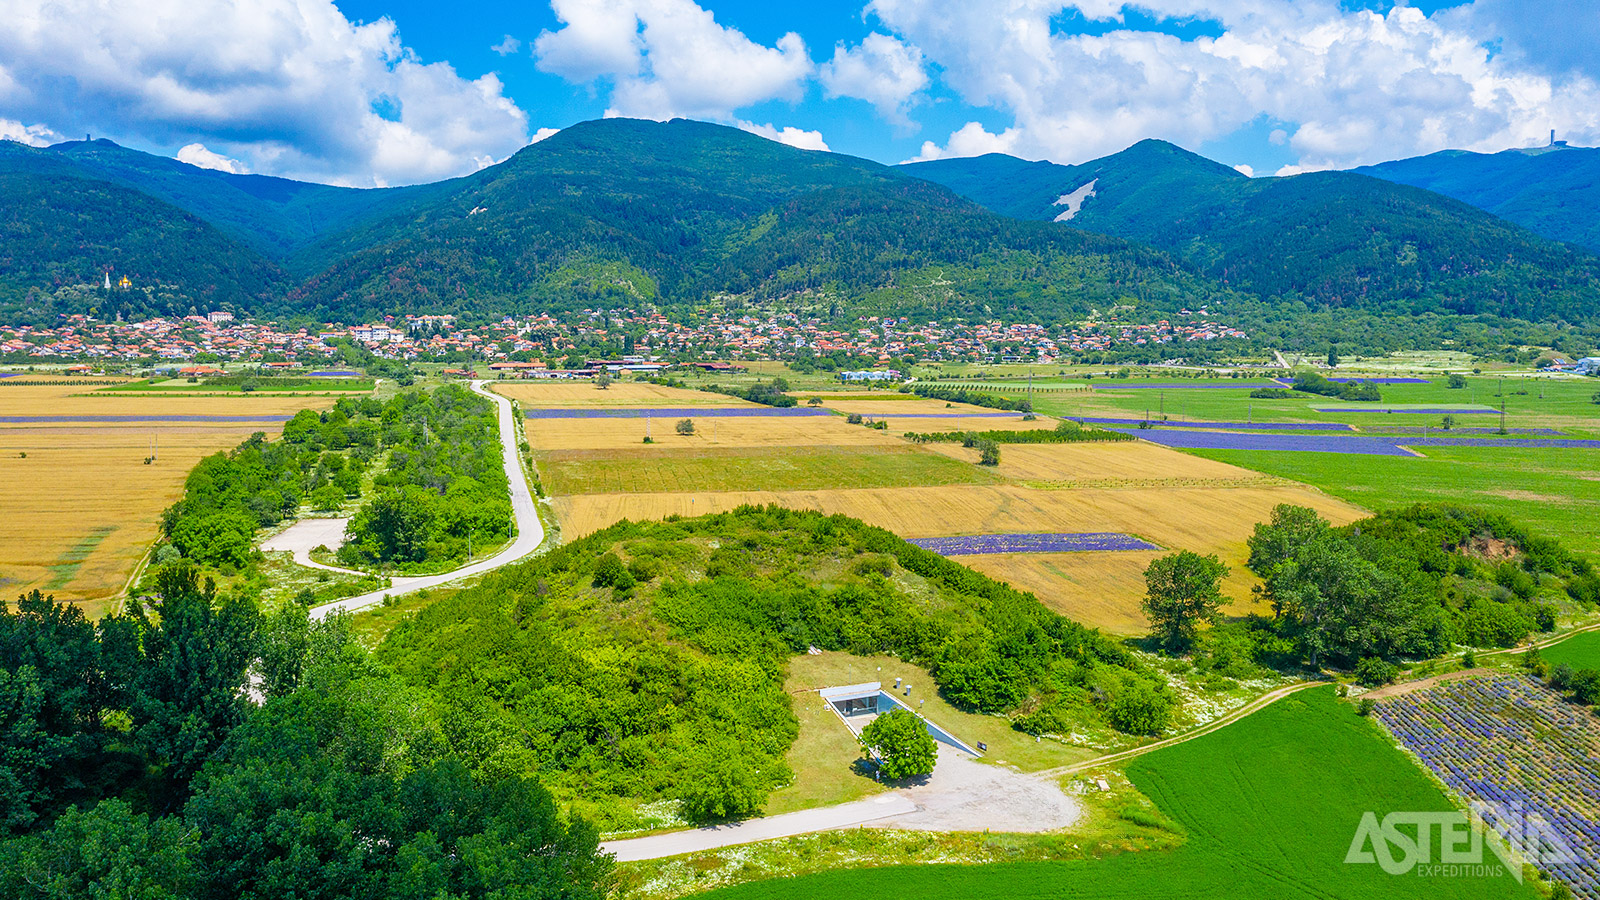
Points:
(1260, 702)
(1406, 687)
(530, 531)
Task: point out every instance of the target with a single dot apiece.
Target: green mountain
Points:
(1330, 239)
(1551, 191)
(60, 234)
(275, 216)
(683, 213)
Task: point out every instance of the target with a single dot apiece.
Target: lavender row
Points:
(1240, 385)
(1422, 411)
(970, 545)
(336, 374)
(708, 412)
(1348, 444)
(1434, 429)
(20, 420)
(1381, 380)
(1305, 443)
(1259, 426)
(1513, 743)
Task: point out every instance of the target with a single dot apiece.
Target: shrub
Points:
(1585, 686)
(685, 426)
(1456, 381)
(610, 572)
(1375, 672)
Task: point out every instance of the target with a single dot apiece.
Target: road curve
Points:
(530, 531)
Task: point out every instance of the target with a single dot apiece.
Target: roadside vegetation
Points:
(134, 765)
(427, 465)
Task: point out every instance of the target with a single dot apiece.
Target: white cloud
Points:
(198, 155)
(507, 46)
(794, 137)
(1350, 86)
(669, 58)
(1246, 170)
(32, 135)
(971, 139)
(292, 86)
(882, 70)
(543, 133)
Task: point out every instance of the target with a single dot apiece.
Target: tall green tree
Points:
(901, 742)
(1182, 592)
(185, 663)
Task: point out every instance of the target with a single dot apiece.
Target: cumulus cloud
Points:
(1246, 170)
(971, 139)
(794, 137)
(1348, 86)
(507, 46)
(543, 133)
(32, 135)
(669, 58)
(290, 85)
(198, 155)
(882, 70)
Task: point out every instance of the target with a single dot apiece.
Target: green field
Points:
(1581, 651)
(1529, 402)
(752, 469)
(1555, 492)
(1270, 805)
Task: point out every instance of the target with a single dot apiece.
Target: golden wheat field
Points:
(1131, 464)
(581, 394)
(80, 507)
(907, 405)
(709, 432)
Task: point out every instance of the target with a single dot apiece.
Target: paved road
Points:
(307, 535)
(830, 818)
(530, 531)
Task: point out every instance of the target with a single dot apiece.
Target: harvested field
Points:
(908, 405)
(694, 471)
(1102, 463)
(709, 432)
(81, 508)
(1205, 520)
(533, 394)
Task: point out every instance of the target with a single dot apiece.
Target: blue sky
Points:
(396, 91)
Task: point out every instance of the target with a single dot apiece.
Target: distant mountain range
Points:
(1552, 191)
(1326, 238)
(685, 215)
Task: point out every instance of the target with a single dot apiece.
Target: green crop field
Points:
(1555, 491)
(752, 469)
(1581, 651)
(1270, 805)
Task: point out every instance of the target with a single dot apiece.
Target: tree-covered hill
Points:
(646, 662)
(59, 231)
(1551, 191)
(1329, 239)
(683, 212)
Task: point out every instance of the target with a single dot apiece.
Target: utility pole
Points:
(1502, 415)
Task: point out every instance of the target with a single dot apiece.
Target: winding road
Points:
(530, 531)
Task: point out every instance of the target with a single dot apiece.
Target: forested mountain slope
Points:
(1552, 191)
(62, 232)
(682, 212)
(275, 216)
(1328, 238)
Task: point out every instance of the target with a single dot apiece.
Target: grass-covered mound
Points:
(645, 662)
(1270, 805)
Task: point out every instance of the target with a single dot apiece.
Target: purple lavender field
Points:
(1420, 411)
(1241, 385)
(1259, 426)
(707, 412)
(1369, 445)
(1512, 742)
(334, 374)
(1304, 443)
(1381, 380)
(23, 420)
(1032, 543)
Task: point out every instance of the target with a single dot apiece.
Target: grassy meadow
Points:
(1268, 807)
(81, 507)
